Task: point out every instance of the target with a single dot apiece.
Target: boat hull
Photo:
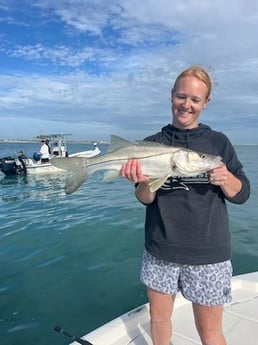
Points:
(42, 169)
(27, 166)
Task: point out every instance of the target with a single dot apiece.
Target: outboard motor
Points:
(12, 166)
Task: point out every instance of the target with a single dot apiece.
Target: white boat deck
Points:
(240, 320)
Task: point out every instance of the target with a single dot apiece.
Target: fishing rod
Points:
(79, 340)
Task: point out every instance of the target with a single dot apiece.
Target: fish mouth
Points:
(217, 161)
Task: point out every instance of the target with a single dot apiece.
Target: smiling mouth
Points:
(182, 112)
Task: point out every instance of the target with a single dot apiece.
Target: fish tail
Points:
(77, 168)
(75, 180)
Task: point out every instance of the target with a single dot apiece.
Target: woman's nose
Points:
(186, 103)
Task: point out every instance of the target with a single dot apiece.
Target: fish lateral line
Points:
(89, 163)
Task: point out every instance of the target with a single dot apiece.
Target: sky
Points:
(92, 68)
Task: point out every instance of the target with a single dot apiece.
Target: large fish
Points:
(158, 161)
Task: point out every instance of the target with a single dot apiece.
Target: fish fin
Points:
(155, 184)
(110, 175)
(75, 180)
(117, 142)
(77, 169)
(114, 139)
(70, 164)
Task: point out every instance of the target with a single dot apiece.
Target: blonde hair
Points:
(198, 72)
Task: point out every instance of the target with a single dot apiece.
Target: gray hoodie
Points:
(187, 223)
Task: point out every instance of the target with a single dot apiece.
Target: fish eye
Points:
(203, 156)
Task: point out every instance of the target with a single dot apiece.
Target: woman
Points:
(187, 238)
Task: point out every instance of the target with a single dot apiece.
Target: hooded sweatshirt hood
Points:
(198, 139)
(183, 137)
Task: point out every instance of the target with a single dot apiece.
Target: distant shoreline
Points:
(33, 141)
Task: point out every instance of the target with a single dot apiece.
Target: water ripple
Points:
(50, 262)
(30, 256)
(22, 327)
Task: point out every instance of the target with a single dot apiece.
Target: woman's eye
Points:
(181, 96)
(196, 100)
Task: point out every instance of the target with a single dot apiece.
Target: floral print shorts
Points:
(208, 285)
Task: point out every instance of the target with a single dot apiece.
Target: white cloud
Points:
(118, 73)
(58, 55)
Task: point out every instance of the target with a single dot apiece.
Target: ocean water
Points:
(74, 261)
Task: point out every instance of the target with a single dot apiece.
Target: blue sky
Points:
(94, 68)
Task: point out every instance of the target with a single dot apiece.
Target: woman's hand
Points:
(132, 171)
(222, 177)
(219, 176)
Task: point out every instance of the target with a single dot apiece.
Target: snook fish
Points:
(158, 161)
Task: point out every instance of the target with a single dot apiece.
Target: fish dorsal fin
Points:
(117, 142)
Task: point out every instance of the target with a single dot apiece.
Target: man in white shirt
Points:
(44, 152)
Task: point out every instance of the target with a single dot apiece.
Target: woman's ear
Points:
(207, 102)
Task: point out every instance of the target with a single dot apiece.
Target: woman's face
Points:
(188, 97)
